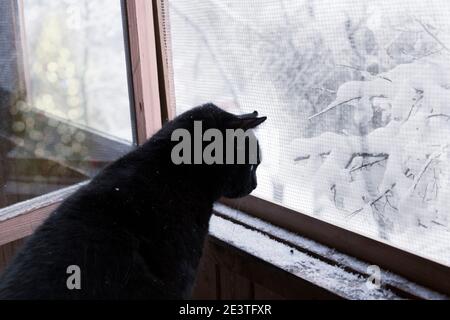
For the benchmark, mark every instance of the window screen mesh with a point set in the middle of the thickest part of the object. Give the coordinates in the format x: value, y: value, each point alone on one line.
x: 358, y: 99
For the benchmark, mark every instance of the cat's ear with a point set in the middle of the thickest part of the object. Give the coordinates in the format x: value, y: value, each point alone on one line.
x: 247, y: 121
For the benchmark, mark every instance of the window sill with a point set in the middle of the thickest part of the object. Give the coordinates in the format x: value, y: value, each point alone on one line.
x: 18, y: 221
x: 321, y: 266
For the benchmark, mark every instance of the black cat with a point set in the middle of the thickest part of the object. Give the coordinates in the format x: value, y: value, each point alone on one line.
x: 136, y: 231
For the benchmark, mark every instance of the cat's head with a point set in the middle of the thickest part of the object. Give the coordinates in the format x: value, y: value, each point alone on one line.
x: 229, y: 162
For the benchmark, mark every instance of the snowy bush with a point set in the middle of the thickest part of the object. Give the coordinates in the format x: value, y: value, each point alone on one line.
x: 399, y: 173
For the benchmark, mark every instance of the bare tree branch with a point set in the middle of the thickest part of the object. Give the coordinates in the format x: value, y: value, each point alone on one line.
x: 301, y: 158
x: 325, y: 89
x: 412, y: 107
x: 374, y: 202
x: 213, y: 55
x: 431, y: 34
x: 333, y: 188
x: 365, y: 73
x: 225, y: 10
x: 424, y: 169
x: 350, y: 67
x: 427, y: 54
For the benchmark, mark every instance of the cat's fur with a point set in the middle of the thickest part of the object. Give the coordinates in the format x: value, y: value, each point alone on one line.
x: 137, y: 229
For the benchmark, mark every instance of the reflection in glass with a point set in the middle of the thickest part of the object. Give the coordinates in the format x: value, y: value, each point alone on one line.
x: 64, y: 105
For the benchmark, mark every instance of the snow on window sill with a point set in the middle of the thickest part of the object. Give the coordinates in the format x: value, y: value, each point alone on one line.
x: 341, y: 274
x: 36, y: 203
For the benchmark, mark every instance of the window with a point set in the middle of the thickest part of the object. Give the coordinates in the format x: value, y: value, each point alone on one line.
x: 355, y: 147
x: 357, y: 98
x: 64, y: 100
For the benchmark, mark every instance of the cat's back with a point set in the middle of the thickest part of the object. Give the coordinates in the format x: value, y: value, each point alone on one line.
x: 87, y: 246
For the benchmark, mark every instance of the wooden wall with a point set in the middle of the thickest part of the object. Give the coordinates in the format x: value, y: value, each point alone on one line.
x: 7, y: 252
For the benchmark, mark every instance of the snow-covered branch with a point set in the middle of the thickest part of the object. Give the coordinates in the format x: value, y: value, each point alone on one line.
x: 333, y: 106
x: 369, y: 164
x: 439, y: 115
x: 432, y: 157
x: 386, y: 193
x: 384, y: 156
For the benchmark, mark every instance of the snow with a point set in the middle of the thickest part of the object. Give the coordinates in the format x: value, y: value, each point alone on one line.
x: 38, y: 202
x: 357, y: 99
x: 414, y: 216
x: 297, y: 263
x: 334, y: 278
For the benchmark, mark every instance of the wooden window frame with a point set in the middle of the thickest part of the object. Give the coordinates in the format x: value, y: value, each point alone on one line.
x: 143, y: 62
x: 153, y: 104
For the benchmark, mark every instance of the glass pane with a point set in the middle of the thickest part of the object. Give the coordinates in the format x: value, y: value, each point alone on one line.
x: 357, y: 94
x: 64, y: 104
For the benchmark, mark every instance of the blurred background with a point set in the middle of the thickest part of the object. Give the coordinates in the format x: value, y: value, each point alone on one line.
x: 64, y: 103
